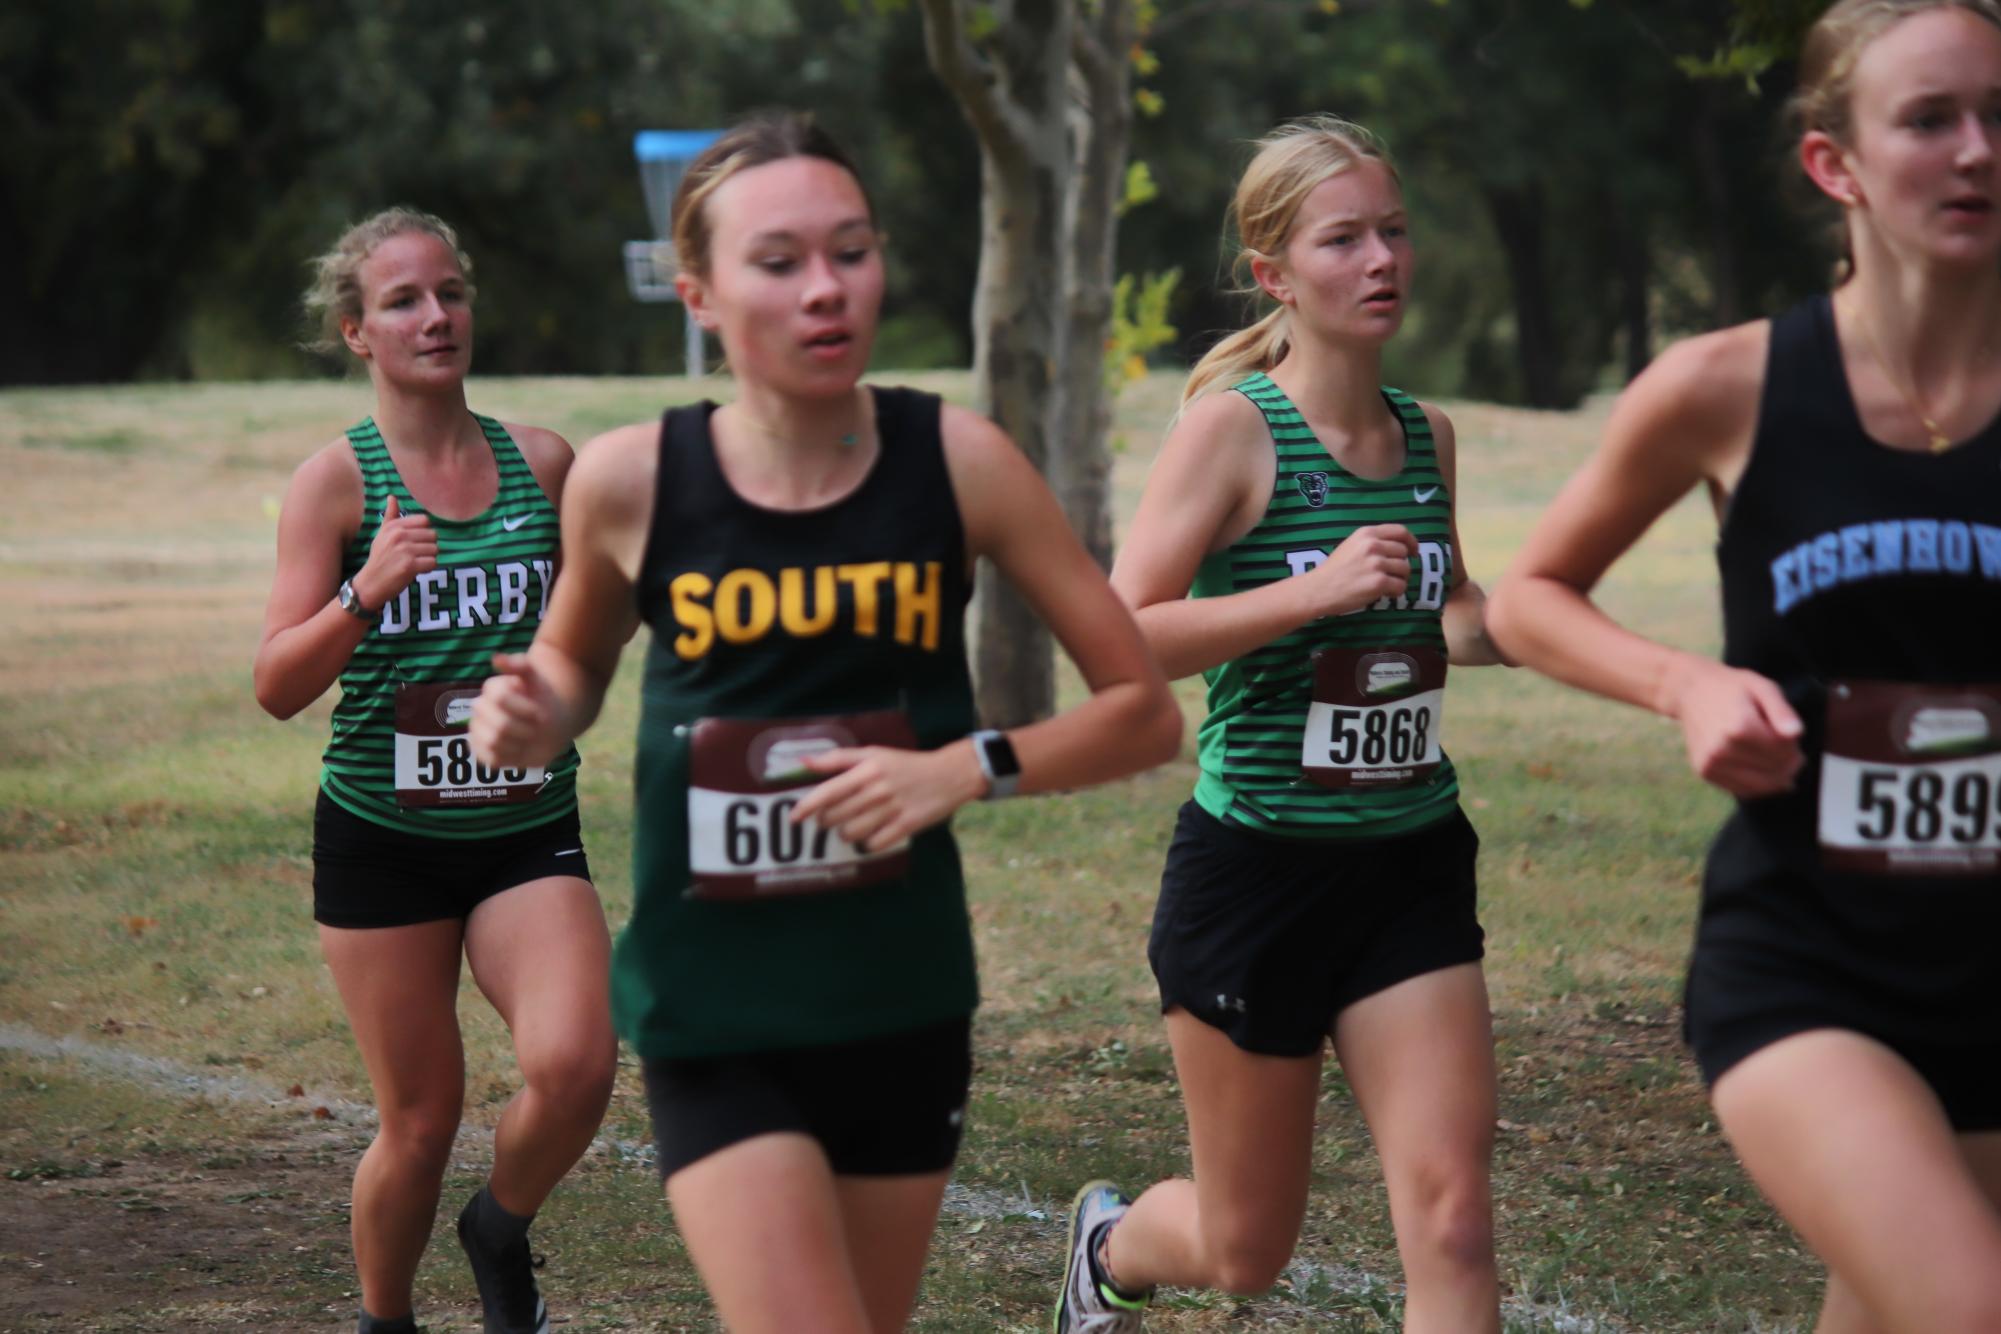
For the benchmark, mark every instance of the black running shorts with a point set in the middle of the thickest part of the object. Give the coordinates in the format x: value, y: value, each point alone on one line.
x: 367, y: 875
x: 884, y: 1106
x: 1269, y: 939
x: 1740, y: 999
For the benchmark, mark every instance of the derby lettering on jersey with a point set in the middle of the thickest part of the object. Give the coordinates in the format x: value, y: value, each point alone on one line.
x: 464, y: 596
x: 1433, y: 574
x: 745, y: 605
x: 1885, y: 547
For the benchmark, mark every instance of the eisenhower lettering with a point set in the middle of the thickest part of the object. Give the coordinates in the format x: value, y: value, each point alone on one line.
x: 463, y: 596
x: 1893, y: 546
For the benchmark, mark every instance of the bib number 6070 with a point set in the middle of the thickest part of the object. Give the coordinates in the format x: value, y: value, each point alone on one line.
x: 757, y: 834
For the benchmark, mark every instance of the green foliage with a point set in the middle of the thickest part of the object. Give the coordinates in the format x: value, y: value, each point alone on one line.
x: 166, y: 168
x: 1139, y: 324
x: 1140, y: 186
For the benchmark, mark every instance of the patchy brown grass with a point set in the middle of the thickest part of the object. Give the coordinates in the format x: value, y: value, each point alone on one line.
x: 153, y: 839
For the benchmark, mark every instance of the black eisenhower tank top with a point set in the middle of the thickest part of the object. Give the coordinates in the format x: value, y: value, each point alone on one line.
x: 1846, y: 561
x: 852, y: 608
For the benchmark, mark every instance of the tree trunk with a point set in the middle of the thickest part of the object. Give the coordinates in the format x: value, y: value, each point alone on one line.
x: 1080, y: 466
x: 1634, y: 266
x: 1015, y: 95
x: 1052, y: 172
x: 1518, y: 221
x: 1725, y: 254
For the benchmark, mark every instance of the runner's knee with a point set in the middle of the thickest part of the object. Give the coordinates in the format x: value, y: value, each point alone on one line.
x: 1246, y: 1261
x: 1450, y: 1215
x: 571, y: 1073
x: 420, y: 1136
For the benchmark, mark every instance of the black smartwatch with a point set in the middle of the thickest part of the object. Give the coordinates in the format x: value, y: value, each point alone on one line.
x: 996, y: 756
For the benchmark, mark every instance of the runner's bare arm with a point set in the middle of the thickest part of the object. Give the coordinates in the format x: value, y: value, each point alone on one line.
x: 549, y: 457
x: 307, y: 638
x: 1209, y: 487
x: 544, y: 699
x: 1130, y: 722
x: 1688, y: 419
x: 1464, y: 617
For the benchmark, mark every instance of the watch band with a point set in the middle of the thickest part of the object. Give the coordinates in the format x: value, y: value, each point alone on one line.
x: 995, y: 754
x: 350, y: 602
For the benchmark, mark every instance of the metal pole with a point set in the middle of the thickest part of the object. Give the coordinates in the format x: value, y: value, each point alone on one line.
x: 692, y: 341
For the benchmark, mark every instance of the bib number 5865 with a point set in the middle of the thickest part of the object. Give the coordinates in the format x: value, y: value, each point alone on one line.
x: 448, y: 762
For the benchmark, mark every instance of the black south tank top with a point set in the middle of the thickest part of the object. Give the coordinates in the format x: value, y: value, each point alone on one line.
x: 854, y: 607
x: 1845, y: 559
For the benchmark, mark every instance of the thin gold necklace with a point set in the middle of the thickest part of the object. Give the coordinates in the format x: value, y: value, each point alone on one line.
x: 847, y: 439
x: 1940, y: 441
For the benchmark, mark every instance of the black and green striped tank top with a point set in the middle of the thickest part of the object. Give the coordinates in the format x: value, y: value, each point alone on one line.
x: 1250, y: 745
x: 487, y: 595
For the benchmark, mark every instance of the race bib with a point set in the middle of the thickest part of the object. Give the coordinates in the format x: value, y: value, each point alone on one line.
x: 1911, y: 780
x: 745, y: 778
x: 1375, y: 717
x: 434, y: 759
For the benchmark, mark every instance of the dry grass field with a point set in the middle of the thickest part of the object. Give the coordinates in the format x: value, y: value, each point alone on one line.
x: 180, y: 1107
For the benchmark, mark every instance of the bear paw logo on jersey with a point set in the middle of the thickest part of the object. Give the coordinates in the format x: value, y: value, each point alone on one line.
x: 1313, y: 485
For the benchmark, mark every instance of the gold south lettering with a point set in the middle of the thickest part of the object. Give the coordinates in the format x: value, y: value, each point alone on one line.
x: 698, y: 628
x: 745, y: 605
x: 792, y: 613
x: 912, y: 605
x: 867, y: 581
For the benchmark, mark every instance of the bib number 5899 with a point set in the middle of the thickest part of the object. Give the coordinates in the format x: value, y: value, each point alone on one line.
x: 1920, y: 805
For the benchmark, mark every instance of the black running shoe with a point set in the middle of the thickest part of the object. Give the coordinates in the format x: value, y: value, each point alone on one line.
x: 506, y: 1279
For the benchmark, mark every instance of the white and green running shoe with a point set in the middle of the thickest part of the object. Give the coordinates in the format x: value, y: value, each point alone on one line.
x: 1088, y: 1304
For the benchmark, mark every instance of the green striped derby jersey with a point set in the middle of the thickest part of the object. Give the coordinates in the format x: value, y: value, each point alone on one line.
x: 487, y: 595
x: 1250, y: 744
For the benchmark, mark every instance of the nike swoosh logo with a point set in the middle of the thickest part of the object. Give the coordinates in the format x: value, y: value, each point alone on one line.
x: 1423, y: 493
x: 511, y: 524
x: 568, y: 852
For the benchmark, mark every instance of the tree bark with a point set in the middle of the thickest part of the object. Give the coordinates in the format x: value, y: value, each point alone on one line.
x: 1725, y: 253
x: 1049, y: 100
x: 1101, y: 119
x: 1518, y: 221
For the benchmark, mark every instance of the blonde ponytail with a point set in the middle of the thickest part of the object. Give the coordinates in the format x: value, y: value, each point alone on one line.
x: 1259, y: 348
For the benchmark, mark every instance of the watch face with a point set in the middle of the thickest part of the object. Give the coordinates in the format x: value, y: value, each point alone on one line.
x: 1001, y: 762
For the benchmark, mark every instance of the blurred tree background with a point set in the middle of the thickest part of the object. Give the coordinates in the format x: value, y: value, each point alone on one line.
x: 1587, y: 177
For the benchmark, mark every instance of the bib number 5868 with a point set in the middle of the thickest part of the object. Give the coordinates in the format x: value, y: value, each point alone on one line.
x: 1379, y: 736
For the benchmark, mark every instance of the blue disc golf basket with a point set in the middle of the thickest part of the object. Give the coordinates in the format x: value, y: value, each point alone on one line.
x: 650, y: 265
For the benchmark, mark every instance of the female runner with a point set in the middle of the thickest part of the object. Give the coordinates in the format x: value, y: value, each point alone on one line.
x: 797, y: 975
x: 1842, y: 999
x: 410, y: 550
x: 1297, y: 546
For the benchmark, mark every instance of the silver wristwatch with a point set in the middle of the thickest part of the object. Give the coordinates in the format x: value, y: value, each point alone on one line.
x: 350, y: 602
